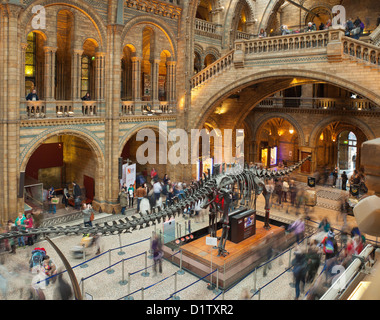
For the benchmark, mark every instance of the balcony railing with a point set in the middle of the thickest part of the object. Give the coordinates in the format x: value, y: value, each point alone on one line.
x: 129, y: 108
x: 291, y: 42
x: 319, y: 103
x: 58, y: 109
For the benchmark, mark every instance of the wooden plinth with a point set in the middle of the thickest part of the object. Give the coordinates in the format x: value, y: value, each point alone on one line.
x: 242, y: 258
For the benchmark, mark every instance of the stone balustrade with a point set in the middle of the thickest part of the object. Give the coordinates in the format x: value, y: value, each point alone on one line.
x: 291, y: 42
x: 56, y: 108
x: 213, y: 69
x: 205, y: 26
x: 361, y: 51
x: 319, y: 103
x: 127, y: 108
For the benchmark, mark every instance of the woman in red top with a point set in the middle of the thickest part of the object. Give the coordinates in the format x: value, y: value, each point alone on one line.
x: 29, y: 225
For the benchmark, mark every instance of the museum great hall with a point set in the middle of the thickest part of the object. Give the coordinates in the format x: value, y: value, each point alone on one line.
x: 190, y: 64
x: 80, y: 79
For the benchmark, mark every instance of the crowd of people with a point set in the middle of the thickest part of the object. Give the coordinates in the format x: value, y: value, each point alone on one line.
x: 352, y: 28
x: 325, y: 249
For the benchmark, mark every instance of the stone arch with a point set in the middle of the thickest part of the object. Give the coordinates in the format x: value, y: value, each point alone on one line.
x: 361, y: 125
x: 230, y: 18
x: 271, y: 7
x: 130, y: 133
x: 80, y: 5
x: 157, y: 22
x: 260, y: 77
x: 263, y: 119
x: 95, y: 144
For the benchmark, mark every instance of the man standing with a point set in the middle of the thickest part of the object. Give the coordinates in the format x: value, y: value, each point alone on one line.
x: 77, y: 193
x: 157, y: 188
x: 140, y: 194
x: 32, y: 96
x: 123, y: 196
x: 344, y: 180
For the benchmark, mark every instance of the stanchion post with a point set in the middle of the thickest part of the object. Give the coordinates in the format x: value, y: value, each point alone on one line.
x: 217, y: 290
x: 110, y: 271
x: 254, y: 281
x: 180, y: 271
x: 129, y: 288
x: 146, y: 273
x: 290, y: 258
x: 84, y: 265
x: 142, y: 293
x: 123, y: 281
x: 82, y: 280
x: 121, y: 252
x: 175, y: 297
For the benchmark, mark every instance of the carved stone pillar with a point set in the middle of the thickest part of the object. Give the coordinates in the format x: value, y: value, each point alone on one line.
x: 76, y: 68
x: 24, y: 46
x: 99, y: 75
x: 171, y: 82
x: 155, y: 72
x: 136, y: 78
x: 50, y: 73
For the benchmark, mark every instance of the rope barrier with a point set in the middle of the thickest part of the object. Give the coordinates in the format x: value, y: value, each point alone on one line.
x: 190, y: 284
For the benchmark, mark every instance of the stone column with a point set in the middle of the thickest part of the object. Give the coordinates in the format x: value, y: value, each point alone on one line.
x: 99, y: 75
x: 154, y: 82
x: 100, y: 82
x: 136, y: 78
x: 24, y: 46
x: 171, y: 83
x: 49, y: 73
x: 76, y: 69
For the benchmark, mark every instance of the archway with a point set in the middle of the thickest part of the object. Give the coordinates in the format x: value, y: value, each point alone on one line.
x: 58, y: 160
x: 277, y: 143
x: 148, y: 152
x: 338, y: 145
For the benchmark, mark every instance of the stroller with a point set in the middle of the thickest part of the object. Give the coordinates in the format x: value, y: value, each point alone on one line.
x: 38, y: 255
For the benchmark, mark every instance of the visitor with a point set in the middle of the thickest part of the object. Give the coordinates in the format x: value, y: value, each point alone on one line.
x: 140, y: 194
x: 349, y: 27
x: 262, y: 33
x: 299, y: 271
x: 32, y: 96
x: 313, y: 259
x: 86, y: 97
x: 50, y: 269
x: 344, y: 208
x: 310, y: 27
x: 131, y: 194
x: 87, y: 212
x: 153, y: 175
x: 285, y: 189
x: 11, y: 242
x: 169, y: 196
x: 328, y: 24
x: 278, y: 190
x: 298, y: 229
x: 329, y: 245
x: 29, y: 226
x: 284, y: 30
x: 63, y: 289
x: 50, y: 197
x: 20, y: 226
x: 335, y: 177
x: 66, y: 197
x: 344, y: 180
x: 77, y: 196
x: 157, y: 253
x: 157, y: 188
x: 123, y: 199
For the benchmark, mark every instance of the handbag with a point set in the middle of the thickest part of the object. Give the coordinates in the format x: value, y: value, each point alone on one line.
x: 54, y: 200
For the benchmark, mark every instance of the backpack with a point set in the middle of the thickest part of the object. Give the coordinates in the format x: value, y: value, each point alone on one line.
x: 329, y: 246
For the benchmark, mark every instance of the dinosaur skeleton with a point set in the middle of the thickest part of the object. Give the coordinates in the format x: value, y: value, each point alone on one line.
x: 250, y: 181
